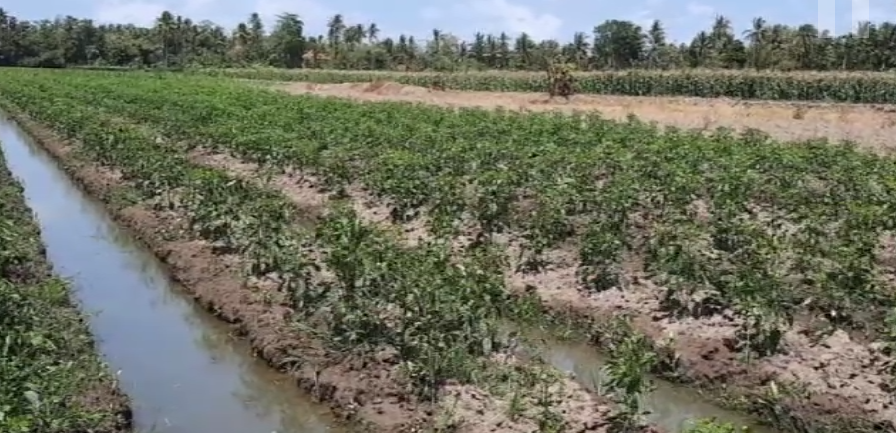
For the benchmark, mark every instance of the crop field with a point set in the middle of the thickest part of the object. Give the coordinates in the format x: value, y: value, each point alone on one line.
x: 871, y: 127
x: 406, y: 234
x: 385, y: 331
x: 52, y: 379
x: 865, y: 88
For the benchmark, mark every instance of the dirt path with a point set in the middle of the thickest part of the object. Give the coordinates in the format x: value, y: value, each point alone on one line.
x: 872, y: 126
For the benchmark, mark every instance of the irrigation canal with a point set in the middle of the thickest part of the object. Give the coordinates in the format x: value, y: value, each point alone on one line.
x: 180, y: 366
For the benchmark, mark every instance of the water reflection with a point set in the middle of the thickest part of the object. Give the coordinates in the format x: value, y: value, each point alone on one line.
x: 672, y: 408
x: 180, y: 366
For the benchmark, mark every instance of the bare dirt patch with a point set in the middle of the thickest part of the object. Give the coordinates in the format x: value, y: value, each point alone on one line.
x: 871, y: 126
x: 844, y: 378
x: 107, y: 397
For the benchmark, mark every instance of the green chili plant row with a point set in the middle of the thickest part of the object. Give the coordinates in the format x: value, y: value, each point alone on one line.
x: 867, y: 88
x: 47, y: 356
x: 370, y: 267
x: 377, y: 298
x: 768, y: 229
x: 439, y: 313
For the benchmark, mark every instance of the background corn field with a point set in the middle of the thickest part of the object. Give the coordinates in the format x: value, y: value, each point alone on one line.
x: 867, y: 88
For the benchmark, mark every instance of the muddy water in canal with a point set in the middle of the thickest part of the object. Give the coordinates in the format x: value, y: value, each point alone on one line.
x: 181, y: 368
x: 672, y: 408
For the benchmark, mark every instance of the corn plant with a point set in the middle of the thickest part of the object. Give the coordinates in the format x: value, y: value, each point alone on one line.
x: 854, y: 87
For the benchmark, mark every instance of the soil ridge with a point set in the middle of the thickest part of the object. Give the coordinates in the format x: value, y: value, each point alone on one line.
x: 846, y: 391
x: 367, y: 392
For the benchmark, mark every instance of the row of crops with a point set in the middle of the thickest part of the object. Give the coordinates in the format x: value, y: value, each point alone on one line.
x: 767, y: 230
x: 442, y: 315
x: 46, y: 353
x: 871, y: 88
x: 786, y: 228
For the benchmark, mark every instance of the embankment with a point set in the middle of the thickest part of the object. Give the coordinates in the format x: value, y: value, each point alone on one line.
x: 870, y: 126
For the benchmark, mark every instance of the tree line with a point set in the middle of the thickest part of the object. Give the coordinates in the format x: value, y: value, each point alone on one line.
x: 177, y: 41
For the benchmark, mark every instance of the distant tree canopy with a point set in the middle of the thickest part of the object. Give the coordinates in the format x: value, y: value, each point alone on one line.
x: 176, y: 41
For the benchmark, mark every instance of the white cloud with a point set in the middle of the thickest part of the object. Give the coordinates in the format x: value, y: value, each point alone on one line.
x: 861, y: 12
x: 643, y: 18
x: 502, y: 15
x: 309, y: 10
x: 142, y: 13
x: 431, y: 13
x: 700, y: 9
x: 198, y: 5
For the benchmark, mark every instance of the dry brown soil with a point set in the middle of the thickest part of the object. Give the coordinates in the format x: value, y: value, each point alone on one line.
x: 369, y: 392
x: 873, y: 127
x: 473, y: 409
x: 846, y: 379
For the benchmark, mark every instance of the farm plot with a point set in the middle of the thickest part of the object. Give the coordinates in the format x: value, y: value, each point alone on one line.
x: 52, y: 379
x: 764, y: 267
x: 395, y: 337
x: 871, y: 127
x: 850, y: 87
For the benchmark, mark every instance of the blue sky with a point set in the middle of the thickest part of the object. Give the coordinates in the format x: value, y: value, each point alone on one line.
x: 539, y: 18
